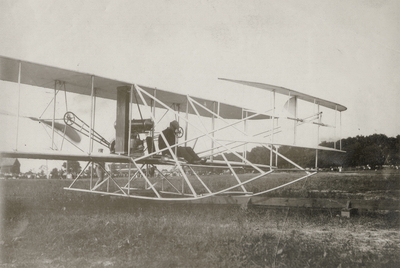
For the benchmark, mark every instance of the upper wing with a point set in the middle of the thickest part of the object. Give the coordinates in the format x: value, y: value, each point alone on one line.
x: 291, y: 93
x: 81, y: 83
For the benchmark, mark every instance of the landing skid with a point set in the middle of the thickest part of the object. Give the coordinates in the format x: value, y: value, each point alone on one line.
x: 182, y: 187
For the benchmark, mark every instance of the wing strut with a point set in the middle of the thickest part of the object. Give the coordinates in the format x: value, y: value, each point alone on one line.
x: 19, y: 101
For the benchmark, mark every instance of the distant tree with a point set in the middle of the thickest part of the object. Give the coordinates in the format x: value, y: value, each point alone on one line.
x: 373, y: 150
x: 391, y: 151
x: 73, y: 166
x: 230, y: 157
x: 396, y: 151
x: 373, y: 155
x: 43, y: 169
x: 42, y: 174
x: 113, y: 168
x: 54, y: 173
x: 259, y: 155
x: 88, y: 170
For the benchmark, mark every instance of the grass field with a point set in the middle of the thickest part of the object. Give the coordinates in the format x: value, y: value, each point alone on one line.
x: 45, y: 226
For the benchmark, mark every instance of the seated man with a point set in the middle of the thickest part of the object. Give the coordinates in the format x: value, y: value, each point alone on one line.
x: 186, y: 152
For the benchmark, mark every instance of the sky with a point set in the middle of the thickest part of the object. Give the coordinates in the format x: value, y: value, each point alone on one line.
x: 343, y: 51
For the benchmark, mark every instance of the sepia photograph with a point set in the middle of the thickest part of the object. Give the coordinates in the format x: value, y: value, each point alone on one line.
x: 204, y: 133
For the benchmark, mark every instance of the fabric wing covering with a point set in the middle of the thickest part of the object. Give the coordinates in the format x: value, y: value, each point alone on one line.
x: 291, y: 93
x: 81, y: 83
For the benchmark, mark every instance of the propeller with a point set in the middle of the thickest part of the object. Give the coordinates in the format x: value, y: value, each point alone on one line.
x: 71, y: 133
x: 290, y: 106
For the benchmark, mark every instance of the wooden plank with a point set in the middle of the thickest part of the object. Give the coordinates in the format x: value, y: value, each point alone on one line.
x: 298, y: 202
x: 372, y: 205
x: 376, y: 204
x: 224, y: 200
x: 283, y: 202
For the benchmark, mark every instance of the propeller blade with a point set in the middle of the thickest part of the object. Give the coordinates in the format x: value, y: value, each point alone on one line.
x: 69, y: 131
x: 290, y: 106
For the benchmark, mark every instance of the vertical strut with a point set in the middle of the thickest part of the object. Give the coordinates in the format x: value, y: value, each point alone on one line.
x: 340, y: 131
x: 54, y: 114
x: 130, y: 121
x: 245, y: 131
x: 129, y: 140
x: 91, y: 130
x: 91, y: 116
x: 316, y: 151
x: 19, y: 101
x: 334, y: 143
x: 295, y: 121
x: 94, y: 116
x: 66, y: 110
x: 272, y: 128
x: 213, y: 127
x: 187, y: 119
x: 154, y: 115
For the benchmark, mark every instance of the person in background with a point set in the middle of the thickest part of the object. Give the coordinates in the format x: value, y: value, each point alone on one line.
x: 100, y: 167
x: 186, y: 152
x: 100, y: 172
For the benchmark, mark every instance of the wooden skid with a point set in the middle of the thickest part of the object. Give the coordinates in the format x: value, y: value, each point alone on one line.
x: 325, y: 203
x: 312, y: 203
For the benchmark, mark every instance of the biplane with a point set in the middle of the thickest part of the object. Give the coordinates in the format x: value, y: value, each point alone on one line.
x: 215, y: 130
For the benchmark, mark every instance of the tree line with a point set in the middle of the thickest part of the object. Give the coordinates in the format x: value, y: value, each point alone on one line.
x: 374, y: 151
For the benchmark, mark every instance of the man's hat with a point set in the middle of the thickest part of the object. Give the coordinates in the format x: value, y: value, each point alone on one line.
x: 174, y: 124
